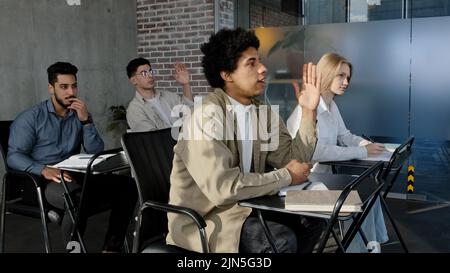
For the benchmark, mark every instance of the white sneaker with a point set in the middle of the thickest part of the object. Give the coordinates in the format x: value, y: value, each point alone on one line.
x: 373, y: 247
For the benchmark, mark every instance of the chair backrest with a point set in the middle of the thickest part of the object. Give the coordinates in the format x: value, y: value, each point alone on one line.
x: 4, y: 136
x: 395, y: 164
x: 398, y: 156
x: 368, y: 192
x: 13, y: 190
x: 150, y: 155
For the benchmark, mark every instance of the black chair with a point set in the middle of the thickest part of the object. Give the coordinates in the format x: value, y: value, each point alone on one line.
x: 150, y: 155
x: 389, y: 175
x: 368, y: 192
x: 369, y: 195
x: 394, y: 166
x: 10, y: 188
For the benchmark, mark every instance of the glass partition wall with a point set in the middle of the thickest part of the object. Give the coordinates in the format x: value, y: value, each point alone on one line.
x: 401, y: 71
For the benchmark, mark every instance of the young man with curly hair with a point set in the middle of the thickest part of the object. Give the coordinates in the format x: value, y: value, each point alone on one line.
x: 239, y: 138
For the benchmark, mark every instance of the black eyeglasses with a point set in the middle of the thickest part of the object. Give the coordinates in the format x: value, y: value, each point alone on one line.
x: 148, y: 73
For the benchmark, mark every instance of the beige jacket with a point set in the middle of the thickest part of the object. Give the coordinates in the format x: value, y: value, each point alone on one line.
x: 207, y: 177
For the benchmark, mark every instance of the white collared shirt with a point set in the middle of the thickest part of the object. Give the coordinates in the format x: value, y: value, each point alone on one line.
x: 243, y: 114
x: 334, y: 140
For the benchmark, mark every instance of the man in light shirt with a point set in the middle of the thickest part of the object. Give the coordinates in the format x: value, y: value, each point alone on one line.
x: 151, y: 109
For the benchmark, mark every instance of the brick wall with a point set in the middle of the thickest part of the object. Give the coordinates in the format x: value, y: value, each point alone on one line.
x: 173, y: 30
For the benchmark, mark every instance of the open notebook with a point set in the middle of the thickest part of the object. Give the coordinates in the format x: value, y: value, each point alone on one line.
x: 322, y: 201
x: 386, y: 155
x: 102, y: 163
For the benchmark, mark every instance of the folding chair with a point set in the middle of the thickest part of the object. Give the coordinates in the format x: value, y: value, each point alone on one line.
x: 368, y: 192
x: 10, y: 185
x: 150, y: 155
x: 395, y: 163
x: 392, y: 169
x: 369, y: 198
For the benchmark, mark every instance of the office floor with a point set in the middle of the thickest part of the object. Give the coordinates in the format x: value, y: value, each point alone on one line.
x: 423, y: 224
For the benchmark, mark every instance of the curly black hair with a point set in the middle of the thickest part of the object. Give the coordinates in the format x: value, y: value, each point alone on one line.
x: 222, y: 52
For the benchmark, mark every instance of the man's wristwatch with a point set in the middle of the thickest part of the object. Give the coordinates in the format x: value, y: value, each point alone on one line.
x: 88, y: 121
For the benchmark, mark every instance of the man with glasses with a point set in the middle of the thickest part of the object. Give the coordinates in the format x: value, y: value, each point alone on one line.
x: 151, y: 109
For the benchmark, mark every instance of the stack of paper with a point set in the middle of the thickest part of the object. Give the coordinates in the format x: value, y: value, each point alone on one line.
x: 80, y: 161
x: 313, y: 186
x: 391, y: 146
x: 323, y: 201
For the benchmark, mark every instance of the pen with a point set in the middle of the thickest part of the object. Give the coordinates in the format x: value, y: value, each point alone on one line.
x: 307, y: 184
x: 89, y: 157
x: 367, y: 138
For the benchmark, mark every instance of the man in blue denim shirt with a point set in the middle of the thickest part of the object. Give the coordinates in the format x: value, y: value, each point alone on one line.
x: 54, y: 130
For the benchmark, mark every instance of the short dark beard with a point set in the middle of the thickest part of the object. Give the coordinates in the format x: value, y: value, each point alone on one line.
x: 61, y: 102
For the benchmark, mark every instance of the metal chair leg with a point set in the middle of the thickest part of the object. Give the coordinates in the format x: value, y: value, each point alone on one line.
x: 338, y: 242
x: 397, y: 232
x: 136, y: 234
x: 126, y: 248
x: 2, y: 213
x: 363, y: 236
x: 43, y: 221
x: 267, y: 232
x: 341, y: 231
x: 70, y: 207
x: 325, y: 235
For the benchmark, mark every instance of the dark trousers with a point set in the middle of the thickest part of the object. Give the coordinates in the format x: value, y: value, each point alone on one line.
x: 115, y: 192
x: 292, y: 233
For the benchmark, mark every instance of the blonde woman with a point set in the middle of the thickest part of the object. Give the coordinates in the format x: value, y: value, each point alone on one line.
x: 336, y: 142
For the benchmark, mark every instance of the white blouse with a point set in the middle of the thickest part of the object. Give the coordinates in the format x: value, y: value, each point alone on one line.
x: 334, y: 140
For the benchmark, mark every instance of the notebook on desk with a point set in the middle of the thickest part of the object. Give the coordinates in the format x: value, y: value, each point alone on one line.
x: 308, y: 185
x: 322, y: 201
x: 391, y: 148
x: 103, y: 163
x: 385, y: 156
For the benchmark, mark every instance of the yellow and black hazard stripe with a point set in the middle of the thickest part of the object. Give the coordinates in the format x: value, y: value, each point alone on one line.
x: 410, y: 188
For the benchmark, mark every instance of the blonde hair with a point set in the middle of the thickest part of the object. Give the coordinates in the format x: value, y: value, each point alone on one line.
x: 328, y: 68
